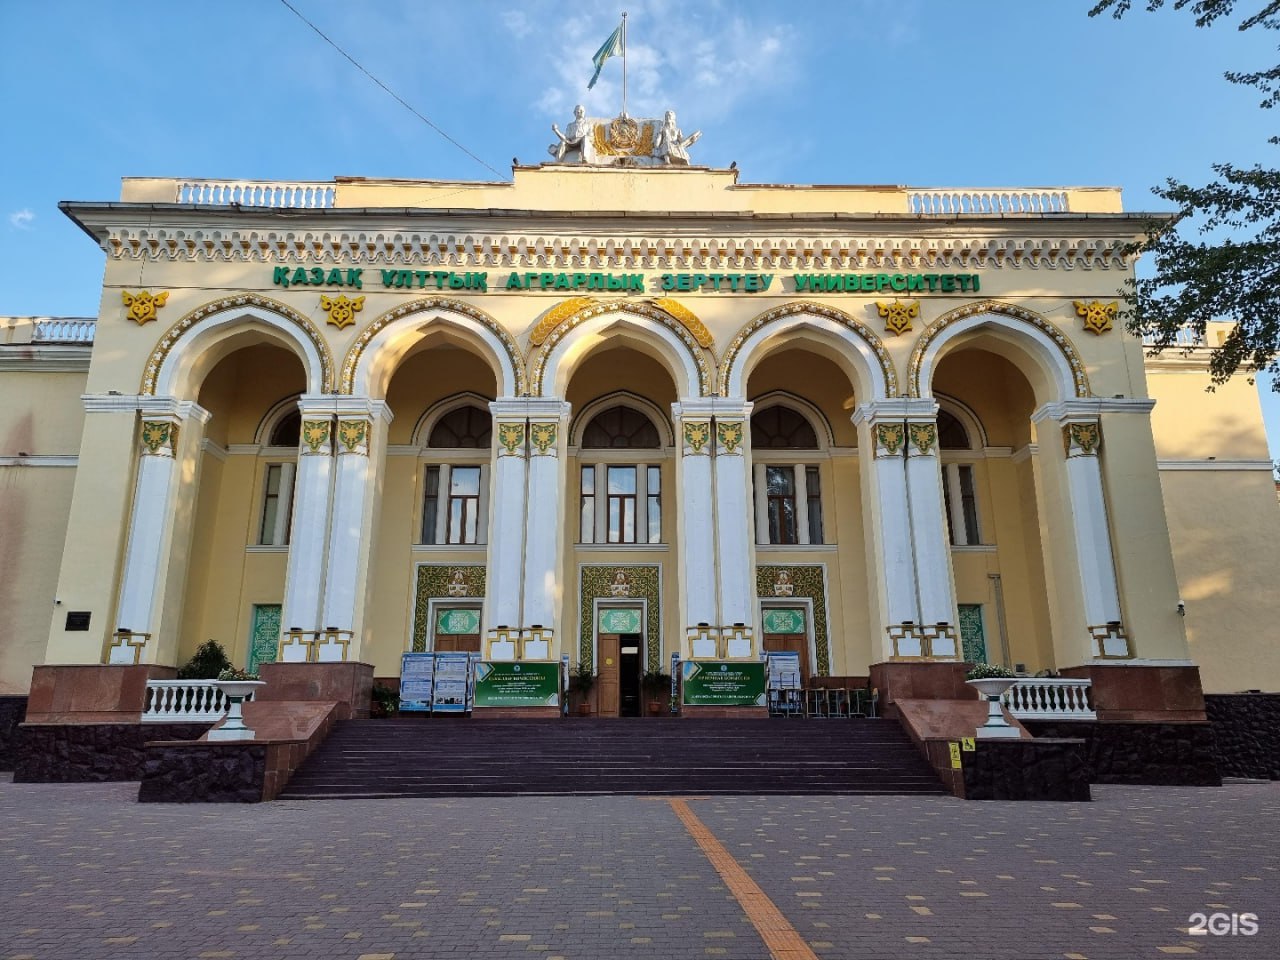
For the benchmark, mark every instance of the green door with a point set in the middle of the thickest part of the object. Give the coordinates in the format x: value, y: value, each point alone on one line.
x: 264, y: 635
x: 973, y: 638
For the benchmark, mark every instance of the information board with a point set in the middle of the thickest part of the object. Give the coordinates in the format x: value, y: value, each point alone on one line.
x: 451, y: 683
x: 416, y: 673
x: 517, y: 684
x: 784, y: 670
x: 711, y: 683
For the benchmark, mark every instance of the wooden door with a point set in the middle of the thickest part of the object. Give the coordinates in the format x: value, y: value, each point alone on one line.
x: 457, y: 643
x: 607, y: 654
x: 794, y: 643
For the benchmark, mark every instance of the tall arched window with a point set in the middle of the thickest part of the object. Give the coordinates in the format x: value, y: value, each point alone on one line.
x: 281, y: 431
x: 788, y: 488
x: 621, y: 502
x: 456, y: 485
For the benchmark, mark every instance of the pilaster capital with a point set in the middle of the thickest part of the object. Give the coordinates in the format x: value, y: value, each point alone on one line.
x: 704, y: 408
x: 1091, y: 408
x: 530, y: 408
x: 151, y: 408
x: 314, y: 406
x: 896, y: 409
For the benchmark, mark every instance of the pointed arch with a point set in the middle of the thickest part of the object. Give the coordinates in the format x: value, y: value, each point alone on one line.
x: 1048, y: 346
x: 382, y: 343
x: 204, y: 327
x: 874, y: 375
x: 653, y: 328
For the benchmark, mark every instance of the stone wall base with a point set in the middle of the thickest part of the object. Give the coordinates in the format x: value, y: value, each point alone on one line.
x: 1246, y: 729
x: 1123, y: 692
x: 1040, y: 769
x: 919, y: 680
x: 90, y: 752
x: 13, y: 710
x: 1164, y: 754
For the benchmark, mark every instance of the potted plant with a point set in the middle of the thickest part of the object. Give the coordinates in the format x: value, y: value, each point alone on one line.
x: 385, y: 701
x: 580, y: 683
x: 991, y: 681
x: 657, y: 688
x: 237, y: 686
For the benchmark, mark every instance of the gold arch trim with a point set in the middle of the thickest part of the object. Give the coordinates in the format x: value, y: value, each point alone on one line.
x: 887, y: 371
x: 690, y: 320
x: 151, y: 372
x: 706, y: 371
x: 425, y: 305
x: 1079, y: 376
x: 554, y: 317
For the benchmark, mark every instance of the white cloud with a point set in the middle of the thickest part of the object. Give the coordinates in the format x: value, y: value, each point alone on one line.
x: 517, y: 22
x: 21, y: 219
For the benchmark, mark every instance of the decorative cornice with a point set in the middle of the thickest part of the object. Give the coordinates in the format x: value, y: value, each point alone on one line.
x: 45, y: 358
x: 1260, y: 465
x: 320, y: 244
x: 1092, y: 408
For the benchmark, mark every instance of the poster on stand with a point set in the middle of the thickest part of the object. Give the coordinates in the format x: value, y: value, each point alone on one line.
x: 452, y: 683
x: 717, y: 683
x: 517, y: 684
x: 416, y: 673
x: 784, y: 670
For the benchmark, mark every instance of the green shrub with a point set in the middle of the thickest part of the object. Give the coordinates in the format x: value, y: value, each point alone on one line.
x: 206, y: 663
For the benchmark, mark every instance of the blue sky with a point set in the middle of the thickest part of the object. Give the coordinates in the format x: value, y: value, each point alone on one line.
x: 920, y: 92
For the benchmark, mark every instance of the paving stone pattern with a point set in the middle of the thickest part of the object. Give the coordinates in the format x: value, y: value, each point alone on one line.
x: 89, y: 873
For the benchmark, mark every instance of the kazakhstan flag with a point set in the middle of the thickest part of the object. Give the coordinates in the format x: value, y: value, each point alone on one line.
x: 610, y: 48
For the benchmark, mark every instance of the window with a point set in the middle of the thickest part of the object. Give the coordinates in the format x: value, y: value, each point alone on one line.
x: 454, y: 494
x: 620, y: 502
x: 788, y: 495
x: 451, y: 508
x: 277, y: 505
x: 962, y: 504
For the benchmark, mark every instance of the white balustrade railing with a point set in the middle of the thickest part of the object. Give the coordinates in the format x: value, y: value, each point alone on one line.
x: 64, y: 331
x: 957, y: 201
x: 172, y: 701
x: 1185, y: 337
x: 256, y: 193
x: 1050, y: 698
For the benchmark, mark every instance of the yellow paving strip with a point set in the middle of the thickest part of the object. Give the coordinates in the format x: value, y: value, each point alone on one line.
x: 775, y: 930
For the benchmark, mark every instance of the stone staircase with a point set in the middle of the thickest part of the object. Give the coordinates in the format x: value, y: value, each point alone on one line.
x: 452, y: 757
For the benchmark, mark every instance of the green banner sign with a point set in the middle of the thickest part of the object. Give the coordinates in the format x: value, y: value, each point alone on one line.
x: 626, y: 620
x: 458, y: 621
x: 715, y: 683
x: 517, y: 684
x: 779, y: 620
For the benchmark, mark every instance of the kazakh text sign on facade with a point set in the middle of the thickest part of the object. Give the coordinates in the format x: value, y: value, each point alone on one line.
x: 711, y: 683
x: 478, y: 281
x: 517, y: 684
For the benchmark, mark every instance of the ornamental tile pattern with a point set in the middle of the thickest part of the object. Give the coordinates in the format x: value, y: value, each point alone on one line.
x: 808, y: 580
x: 596, y: 581
x: 434, y: 582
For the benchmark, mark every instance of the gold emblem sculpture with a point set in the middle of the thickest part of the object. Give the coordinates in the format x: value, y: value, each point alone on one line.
x: 730, y: 436
x: 898, y: 315
x: 1099, y: 317
x: 924, y: 436
x: 510, y: 436
x: 543, y: 436
x: 890, y: 436
x: 143, y: 305
x: 696, y: 434
x: 342, y: 312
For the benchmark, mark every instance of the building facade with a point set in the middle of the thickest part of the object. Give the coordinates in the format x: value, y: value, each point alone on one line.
x: 611, y: 409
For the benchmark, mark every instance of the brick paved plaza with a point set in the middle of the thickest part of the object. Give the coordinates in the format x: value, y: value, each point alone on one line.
x: 90, y: 874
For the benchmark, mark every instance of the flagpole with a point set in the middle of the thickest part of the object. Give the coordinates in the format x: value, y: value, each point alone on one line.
x: 624, y: 63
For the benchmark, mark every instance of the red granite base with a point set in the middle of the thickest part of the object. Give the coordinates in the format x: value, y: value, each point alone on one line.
x: 919, y: 680
x: 350, y: 685
x: 1171, y: 694
x: 91, y: 693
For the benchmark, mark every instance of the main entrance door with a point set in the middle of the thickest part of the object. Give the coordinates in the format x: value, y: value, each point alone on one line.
x: 457, y: 630
x: 618, y: 674
x: 785, y: 629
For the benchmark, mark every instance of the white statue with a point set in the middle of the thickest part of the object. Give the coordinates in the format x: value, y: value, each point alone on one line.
x: 577, y: 138
x: 671, y: 145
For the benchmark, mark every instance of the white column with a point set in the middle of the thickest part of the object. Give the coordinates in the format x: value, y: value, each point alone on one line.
x: 544, y: 523
x: 147, y: 560
x: 503, y: 586
x: 1082, y: 439
x: 350, y: 526
x: 695, y: 524
x: 930, y: 548
x: 308, y: 540
x: 882, y: 449
x: 735, y: 546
